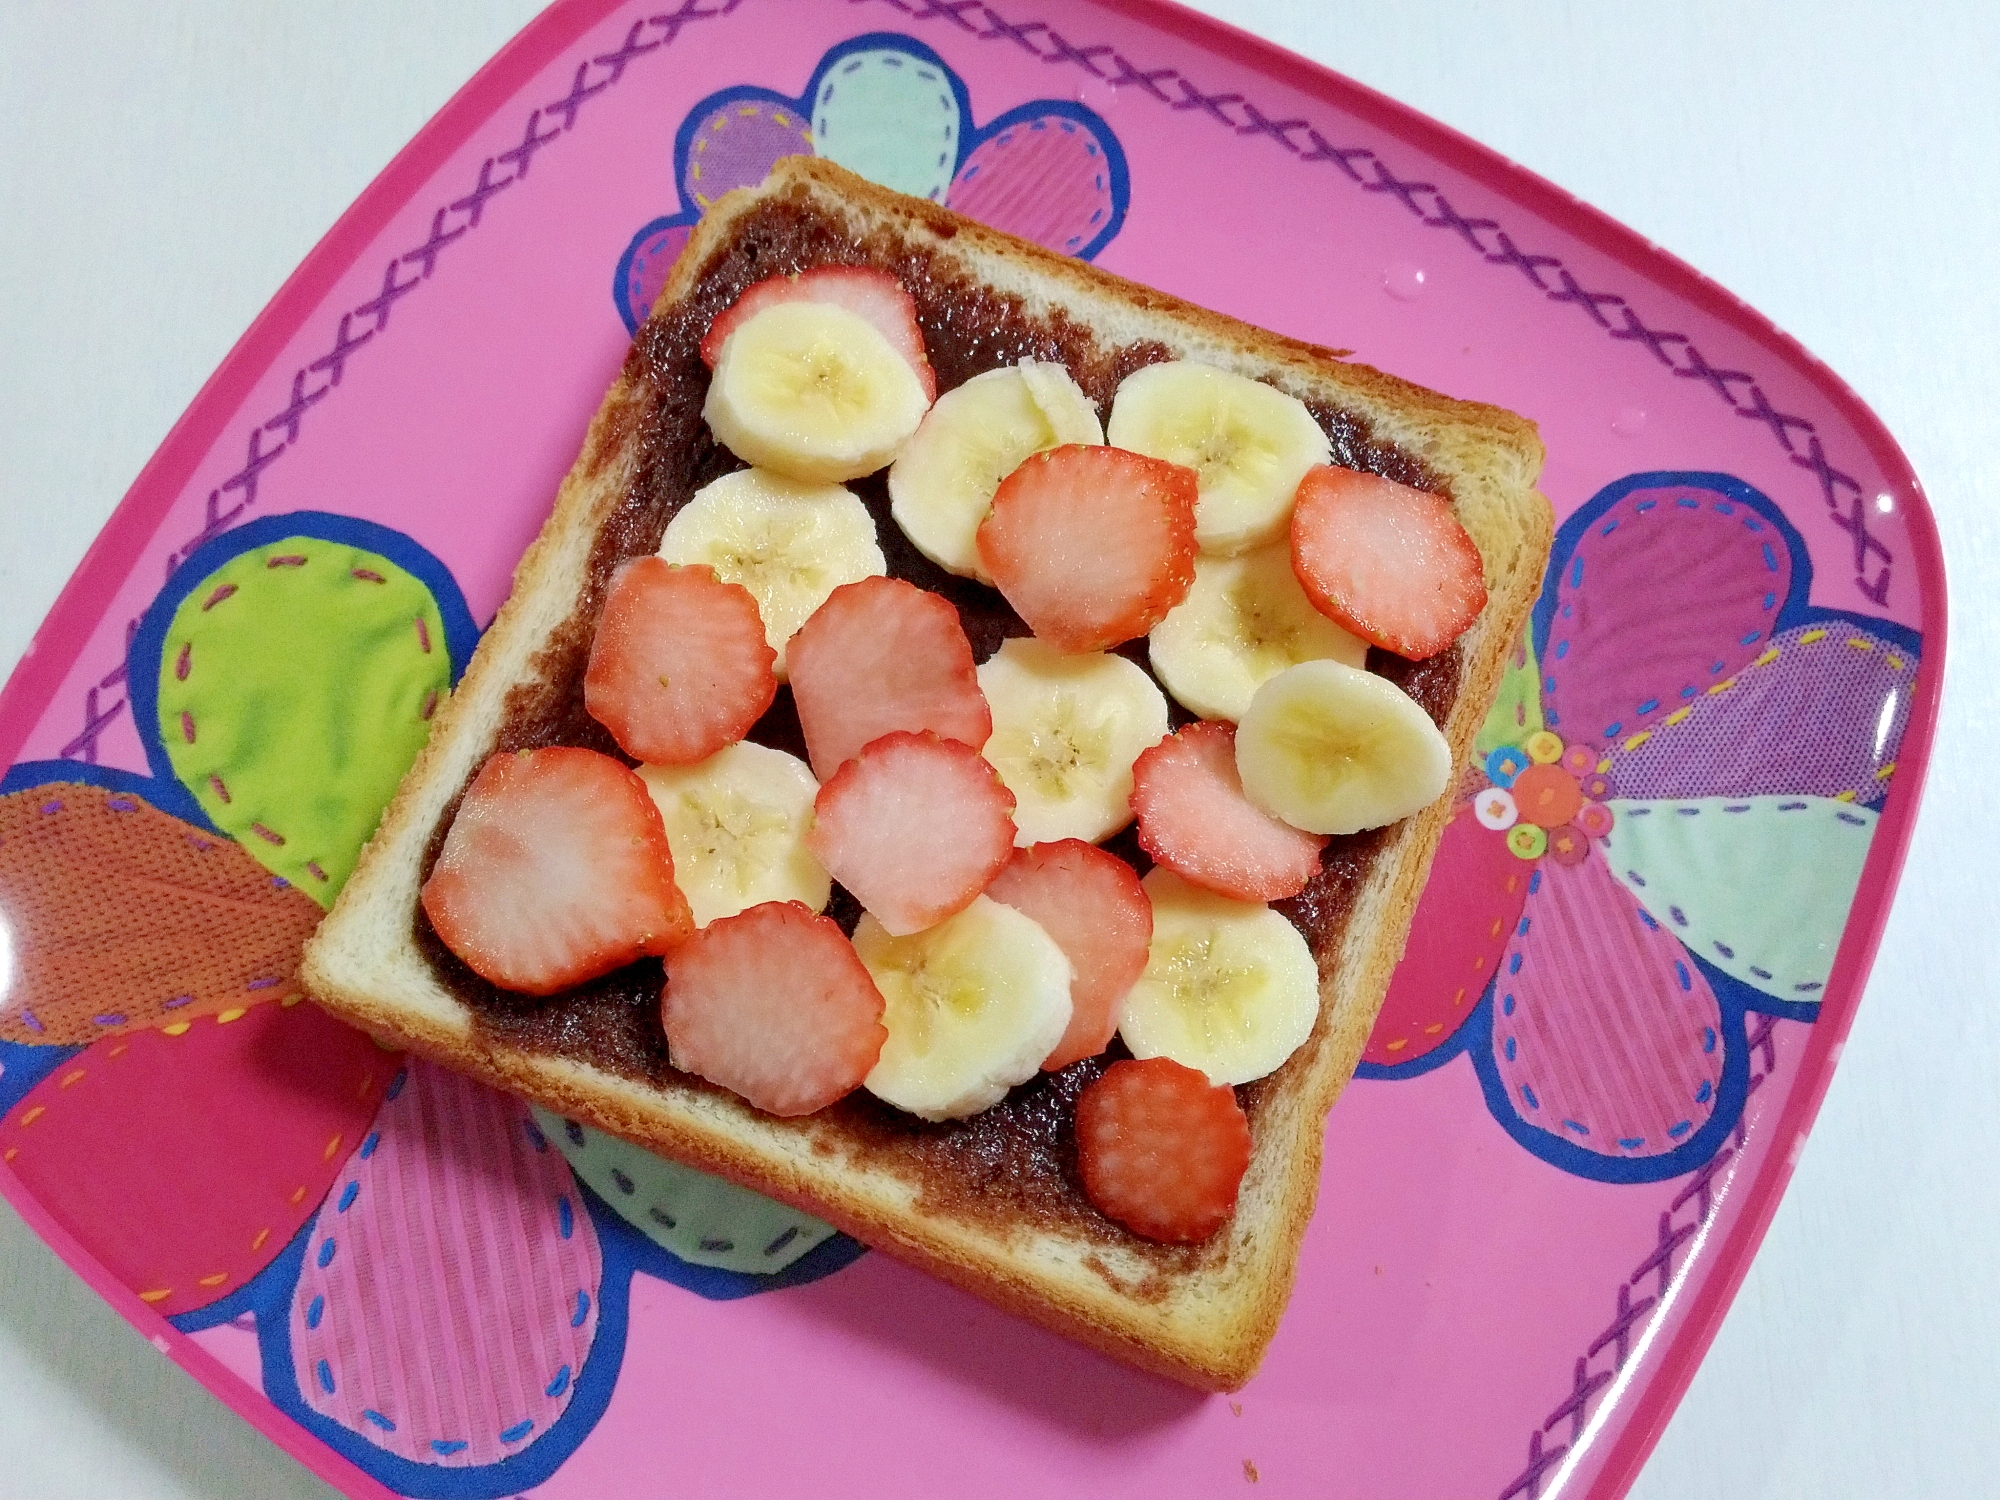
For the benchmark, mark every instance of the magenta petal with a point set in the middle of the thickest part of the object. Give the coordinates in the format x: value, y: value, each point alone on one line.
x: 646, y: 267
x: 449, y: 1291
x: 1668, y: 592
x: 1819, y: 712
x: 1046, y: 178
x: 1604, y: 1031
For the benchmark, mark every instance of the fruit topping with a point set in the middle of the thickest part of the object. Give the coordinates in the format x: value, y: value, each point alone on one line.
x: 1092, y: 904
x: 973, y: 1006
x: 878, y: 656
x: 679, y: 667
x: 1388, y: 562
x: 737, y: 825
x: 1229, y: 988
x: 1195, y: 820
x: 1331, y: 749
x: 1092, y: 546
x: 915, y: 827
x: 1249, y: 443
x: 1161, y: 1149
x: 773, y: 1004
x: 1066, y: 730
x: 873, y: 295
x: 555, y: 870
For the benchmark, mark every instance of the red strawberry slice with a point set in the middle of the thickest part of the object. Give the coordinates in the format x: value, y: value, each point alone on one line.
x: 1386, y: 561
x: 680, y: 666
x: 1092, y: 546
x: 878, y: 656
x: 774, y: 1005
x: 915, y: 827
x: 556, y: 870
x: 874, y: 295
x: 1195, y: 820
x: 1161, y: 1149
x: 1092, y: 904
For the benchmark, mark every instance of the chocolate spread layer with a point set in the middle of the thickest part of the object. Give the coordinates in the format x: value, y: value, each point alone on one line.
x: 1013, y: 1164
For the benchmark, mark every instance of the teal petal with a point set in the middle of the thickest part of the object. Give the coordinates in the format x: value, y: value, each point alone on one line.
x: 702, y: 1219
x: 891, y: 117
x: 1759, y: 887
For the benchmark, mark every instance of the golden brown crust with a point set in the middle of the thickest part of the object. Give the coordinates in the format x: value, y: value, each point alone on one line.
x: 1207, y: 1326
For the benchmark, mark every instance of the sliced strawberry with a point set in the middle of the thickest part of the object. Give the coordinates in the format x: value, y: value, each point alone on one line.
x: 1092, y: 904
x: 1161, y: 1149
x: 878, y: 656
x: 1386, y: 561
x: 915, y: 827
x: 1195, y: 820
x: 773, y: 1004
x: 556, y: 870
x: 874, y: 295
x: 1092, y: 546
x: 680, y: 666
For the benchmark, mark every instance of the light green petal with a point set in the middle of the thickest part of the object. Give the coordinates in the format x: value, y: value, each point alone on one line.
x: 1517, y: 711
x: 892, y: 118
x: 1759, y: 887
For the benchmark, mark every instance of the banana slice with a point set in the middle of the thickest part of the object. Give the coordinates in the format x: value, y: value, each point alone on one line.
x: 790, y: 543
x: 972, y: 1005
x: 1230, y: 987
x: 736, y: 824
x: 1245, y: 620
x: 1250, y: 443
x: 1066, y: 730
x: 942, y: 484
x: 813, y: 391
x: 1332, y: 749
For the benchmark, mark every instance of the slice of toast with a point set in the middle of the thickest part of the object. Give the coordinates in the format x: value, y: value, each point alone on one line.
x: 990, y: 1203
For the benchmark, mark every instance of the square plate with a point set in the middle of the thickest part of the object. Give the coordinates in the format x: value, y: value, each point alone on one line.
x: 1594, y: 1070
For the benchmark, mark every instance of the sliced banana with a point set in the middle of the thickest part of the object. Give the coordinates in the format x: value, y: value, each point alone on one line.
x: 1332, y: 749
x: 972, y: 1007
x: 941, y: 485
x: 1066, y: 730
x: 1250, y: 443
x: 1245, y: 620
x: 789, y: 542
x: 736, y: 824
x: 813, y: 391
x: 1230, y: 987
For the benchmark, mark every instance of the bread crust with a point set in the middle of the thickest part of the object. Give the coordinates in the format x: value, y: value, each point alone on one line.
x: 1206, y: 1326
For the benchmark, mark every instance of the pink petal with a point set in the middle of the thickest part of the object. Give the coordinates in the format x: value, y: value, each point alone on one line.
x: 1046, y: 178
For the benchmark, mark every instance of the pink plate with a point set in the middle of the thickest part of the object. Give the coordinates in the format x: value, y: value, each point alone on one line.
x: 1625, y: 995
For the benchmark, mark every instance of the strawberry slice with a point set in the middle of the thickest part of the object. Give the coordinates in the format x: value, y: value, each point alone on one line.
x: 1092, y: 904
x: 680, y: 666
x: 874, y: 295
x: 1092, y: 546
x: 878, y: 656
x: 1195, y: 820
x: 773, y: 1004
x: 556, y: 870
x: 915, y: 827
x: 1161, y: 1149
x: 1390, y: 563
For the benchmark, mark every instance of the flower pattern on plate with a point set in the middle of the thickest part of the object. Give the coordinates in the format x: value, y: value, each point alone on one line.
x: 1686, y: 795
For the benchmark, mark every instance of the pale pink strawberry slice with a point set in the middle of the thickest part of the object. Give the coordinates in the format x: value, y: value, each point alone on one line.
x: 915, y: 827
x: 680, y: 666
x: 874, y: 295
x: 1195, y: 820
x: 1161, y: 1149
x: 1092, y: 904
x: 878, y: 656
x: 556, y: 869
x: 773, y: 1004
x: 1388, y: 562
x: 1091, y: 545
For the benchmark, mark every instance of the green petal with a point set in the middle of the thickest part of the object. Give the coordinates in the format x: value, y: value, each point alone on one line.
x: 1517, y: 711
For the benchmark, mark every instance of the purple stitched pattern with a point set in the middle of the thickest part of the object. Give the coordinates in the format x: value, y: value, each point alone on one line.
x: 1641, y: 1296
x: 1546, y: 273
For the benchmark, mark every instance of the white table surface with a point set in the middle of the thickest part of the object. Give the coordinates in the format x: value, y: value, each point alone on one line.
x: 164, y: 164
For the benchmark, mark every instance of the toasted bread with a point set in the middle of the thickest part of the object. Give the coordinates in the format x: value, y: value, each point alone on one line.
x: 992, y: 1203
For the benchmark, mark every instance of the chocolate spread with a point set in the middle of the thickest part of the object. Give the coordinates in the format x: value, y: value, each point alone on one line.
x: 1016, y: 1162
